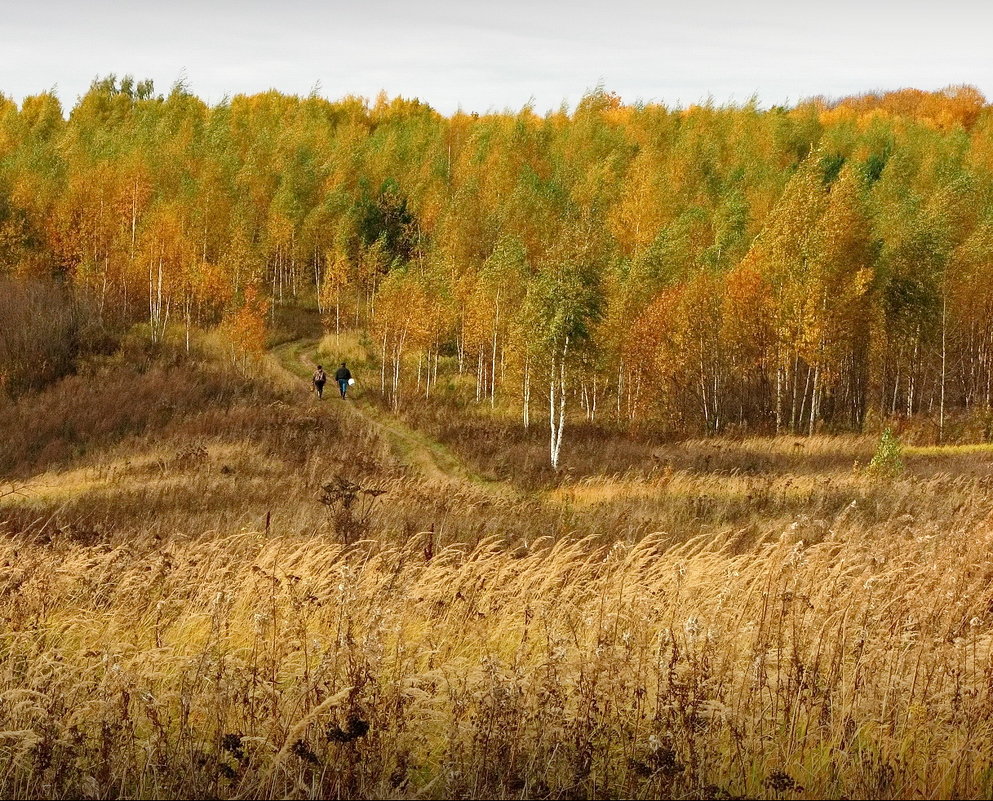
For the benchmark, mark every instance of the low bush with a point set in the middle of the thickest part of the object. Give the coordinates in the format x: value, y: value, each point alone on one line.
x: 44, y: 328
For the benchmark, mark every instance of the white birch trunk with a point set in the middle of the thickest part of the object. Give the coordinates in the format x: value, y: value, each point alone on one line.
x: 493, y: 359
x: 526, y: 411
x: 556, y: 392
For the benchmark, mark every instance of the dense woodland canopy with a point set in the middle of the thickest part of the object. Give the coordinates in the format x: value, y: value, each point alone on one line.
x: 703, y: 269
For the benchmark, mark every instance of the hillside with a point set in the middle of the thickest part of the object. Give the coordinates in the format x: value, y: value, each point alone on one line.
x: 666, y: 472
x: 199, y: 599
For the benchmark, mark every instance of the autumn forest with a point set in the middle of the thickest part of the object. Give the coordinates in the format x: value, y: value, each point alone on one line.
x: 703, y: 269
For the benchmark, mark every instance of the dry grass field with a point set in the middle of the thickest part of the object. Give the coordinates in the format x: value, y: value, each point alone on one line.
x: 213, y: 586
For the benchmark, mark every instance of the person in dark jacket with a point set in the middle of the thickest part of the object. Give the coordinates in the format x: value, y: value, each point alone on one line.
x: 343, y: 376
x: 320, y: 378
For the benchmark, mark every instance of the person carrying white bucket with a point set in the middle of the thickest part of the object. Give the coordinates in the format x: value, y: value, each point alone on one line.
x: 344, y: 377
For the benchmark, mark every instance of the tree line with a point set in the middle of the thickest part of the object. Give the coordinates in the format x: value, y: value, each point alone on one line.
x: 702, y: 269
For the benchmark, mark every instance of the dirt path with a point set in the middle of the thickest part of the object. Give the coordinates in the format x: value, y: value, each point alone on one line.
x: 423, y: 455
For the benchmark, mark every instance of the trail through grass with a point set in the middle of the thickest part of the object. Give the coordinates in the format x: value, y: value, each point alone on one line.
x: 419, y: 452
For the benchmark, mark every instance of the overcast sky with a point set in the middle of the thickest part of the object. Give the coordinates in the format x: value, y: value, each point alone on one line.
x: 495, y: 55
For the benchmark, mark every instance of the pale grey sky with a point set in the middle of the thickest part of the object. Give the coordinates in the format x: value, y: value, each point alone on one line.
x: 493, y: 55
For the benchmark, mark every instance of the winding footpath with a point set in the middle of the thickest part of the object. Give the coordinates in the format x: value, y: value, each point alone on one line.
x: 422, y: 455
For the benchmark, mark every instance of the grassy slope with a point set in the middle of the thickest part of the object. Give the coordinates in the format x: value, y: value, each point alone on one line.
x: 789, y: 620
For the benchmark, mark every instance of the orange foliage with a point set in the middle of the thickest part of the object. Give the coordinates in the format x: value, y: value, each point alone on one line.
x: 246, y: 325
x: 945, y: 109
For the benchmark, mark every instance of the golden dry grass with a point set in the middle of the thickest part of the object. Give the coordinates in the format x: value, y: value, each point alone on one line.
x: 735, y: 618
x: 243, y: 666
x: 347, y: 346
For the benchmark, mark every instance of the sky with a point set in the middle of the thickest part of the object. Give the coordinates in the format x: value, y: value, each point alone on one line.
x: 481, y: 56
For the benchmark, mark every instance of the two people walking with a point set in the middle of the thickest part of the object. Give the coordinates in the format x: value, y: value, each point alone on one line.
x: 342, y: 376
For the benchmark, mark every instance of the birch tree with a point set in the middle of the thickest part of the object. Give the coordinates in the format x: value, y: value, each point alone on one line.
x: 563, y: 300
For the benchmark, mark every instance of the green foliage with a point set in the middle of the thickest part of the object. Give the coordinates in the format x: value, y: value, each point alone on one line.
x: 564, y: 301
x: 387, y: 219
x: 874, y: 166
x: 831, y: 165
x: 887, y: 462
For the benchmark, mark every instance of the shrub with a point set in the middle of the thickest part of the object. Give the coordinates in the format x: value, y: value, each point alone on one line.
x: 888, y: 459
x: 349, y: 507
x: 41, y: 333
